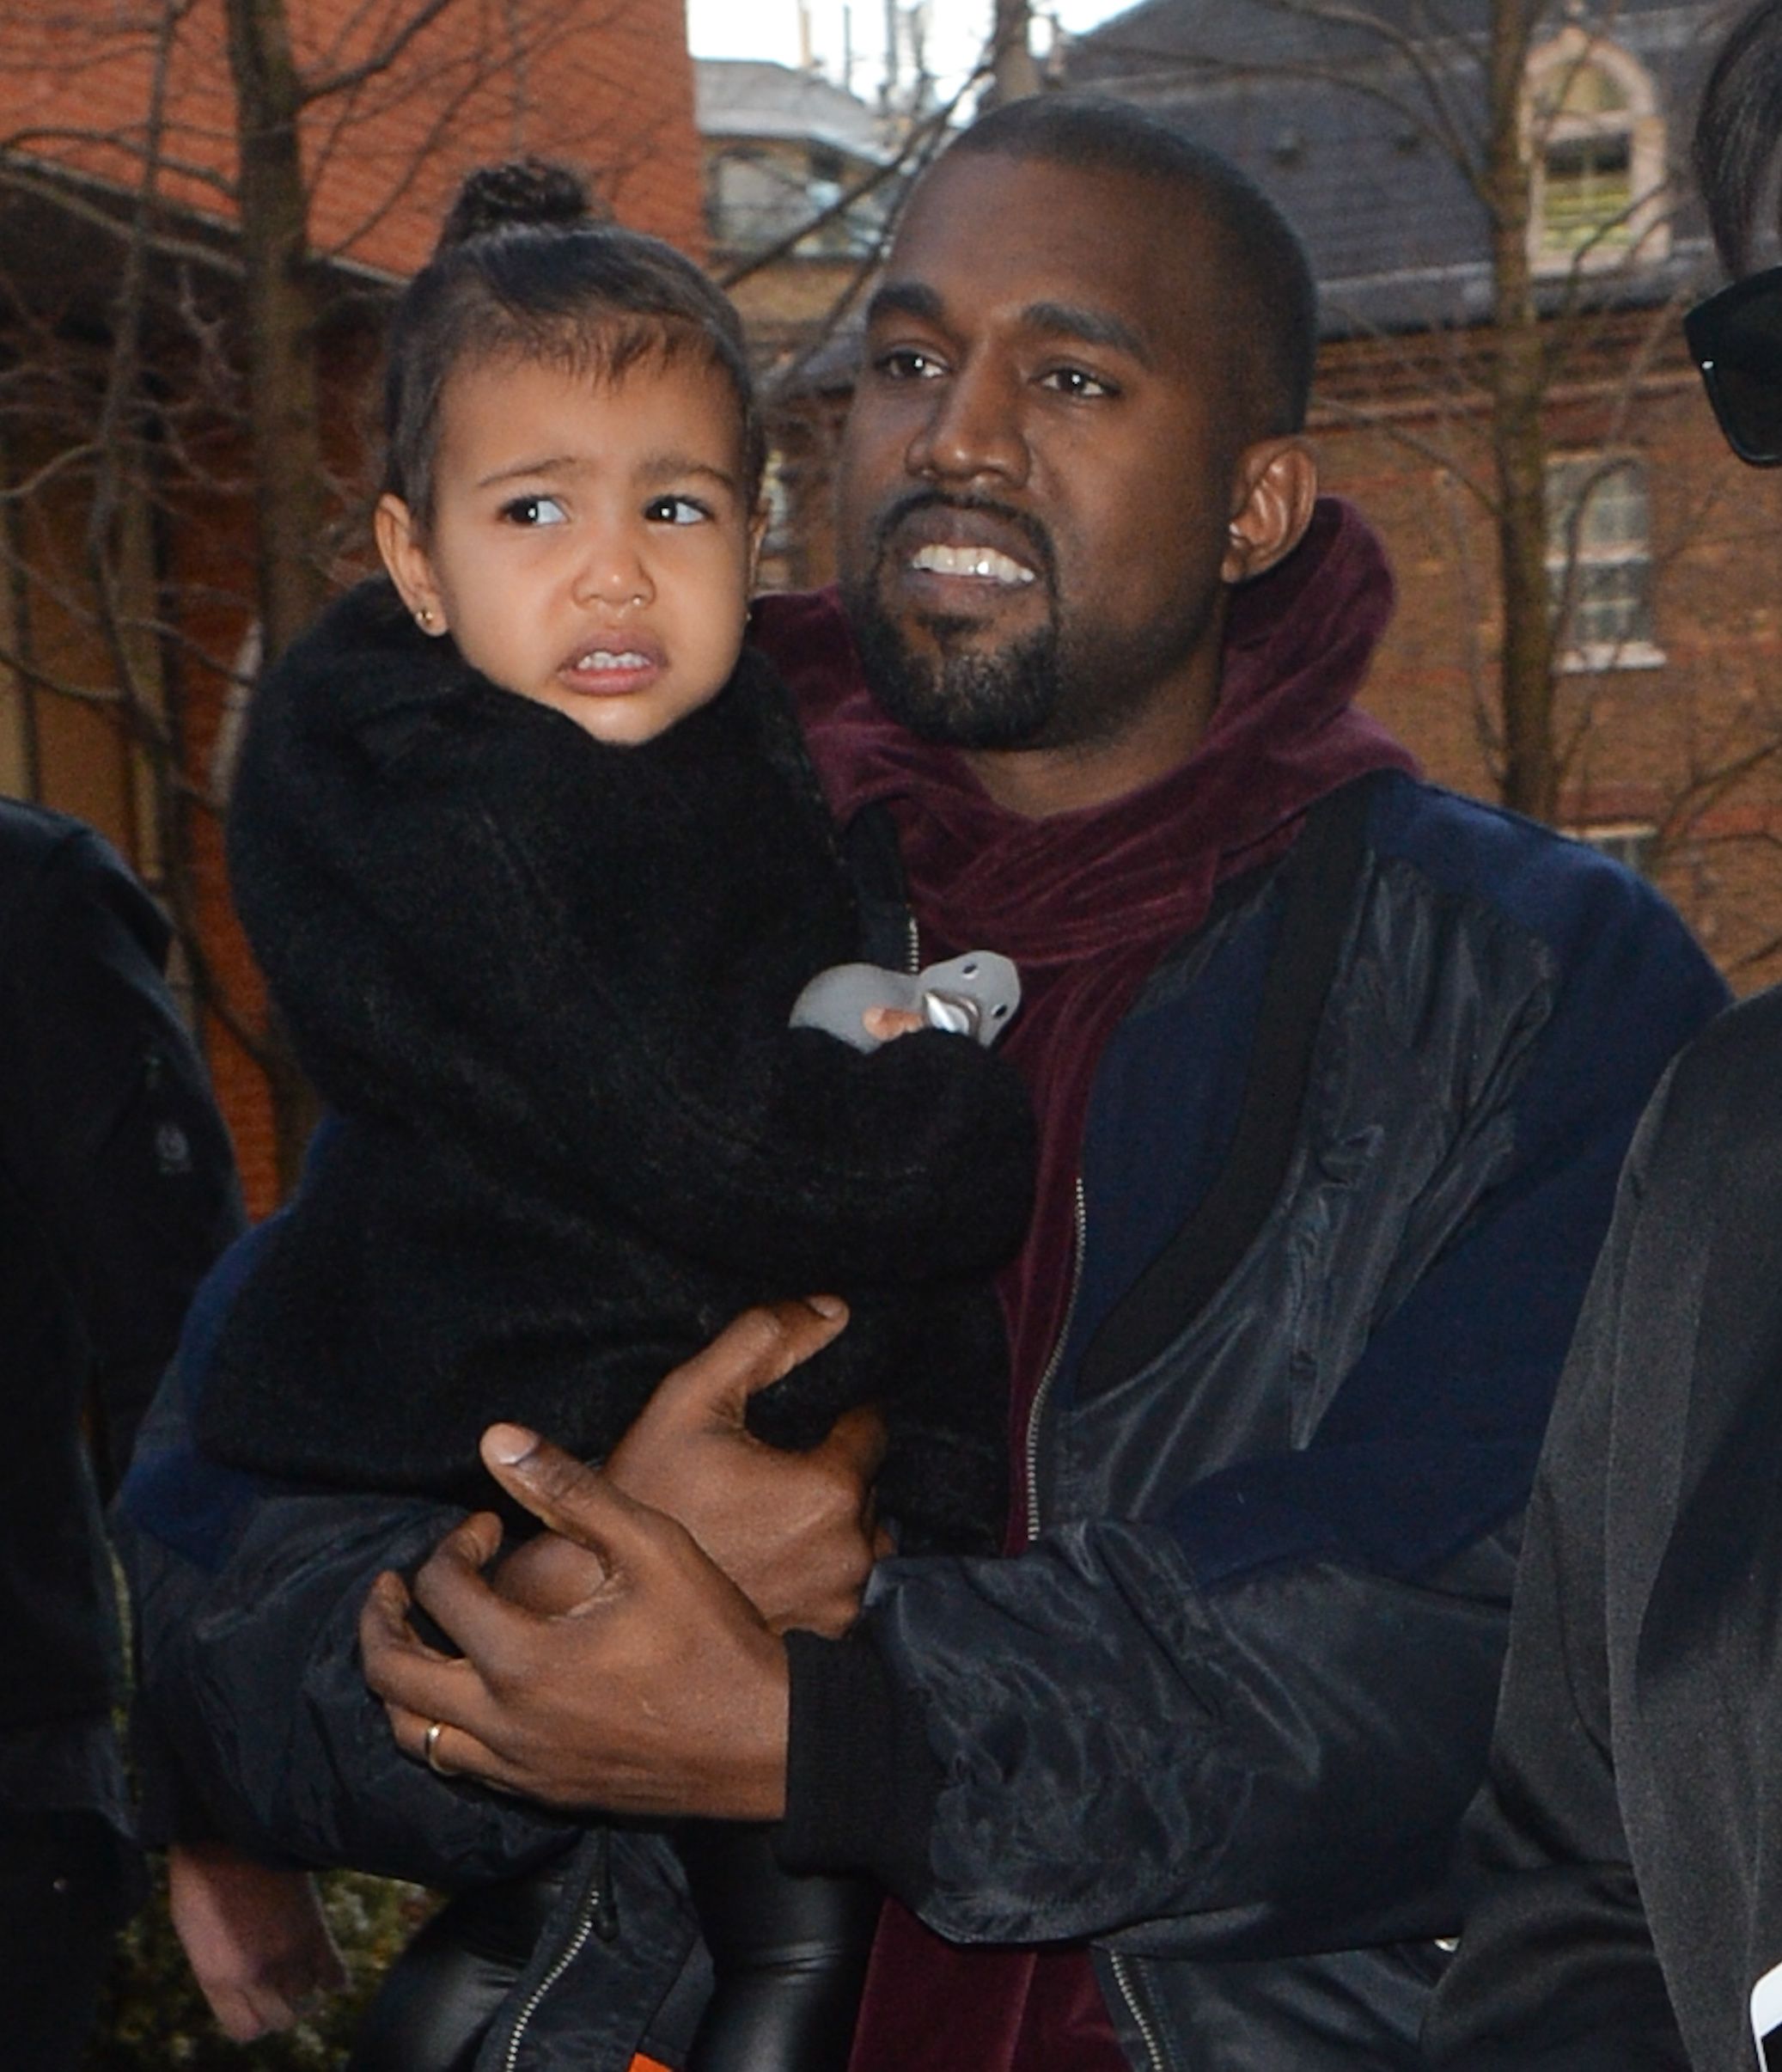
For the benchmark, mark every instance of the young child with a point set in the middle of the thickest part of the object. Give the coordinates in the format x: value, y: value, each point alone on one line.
x: 527, y: 845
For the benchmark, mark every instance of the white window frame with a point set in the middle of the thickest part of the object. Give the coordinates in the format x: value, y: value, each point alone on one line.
x: 1631, y: 843
x: 1642, y: 234
x: 1564, y: 565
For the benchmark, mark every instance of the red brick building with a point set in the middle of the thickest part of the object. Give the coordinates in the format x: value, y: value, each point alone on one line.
x: 143, y: 577
x: 1673, y: 728
x: 1662, y: 551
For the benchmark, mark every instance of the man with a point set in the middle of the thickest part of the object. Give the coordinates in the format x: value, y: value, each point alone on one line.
x: 117, y: 1189
x: 1334, y: 1071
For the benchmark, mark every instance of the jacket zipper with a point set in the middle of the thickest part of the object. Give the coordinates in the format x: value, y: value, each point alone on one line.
x: 1128, y: 1983
x: 595, y: 1913
x: 1037, y: 1410
x: 1123, y: 1973
x: 1128, y: 1986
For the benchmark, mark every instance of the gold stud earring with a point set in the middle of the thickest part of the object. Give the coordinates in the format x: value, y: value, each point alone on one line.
x: 423, y: 618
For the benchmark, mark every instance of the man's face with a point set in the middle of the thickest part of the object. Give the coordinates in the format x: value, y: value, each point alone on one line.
x: 1037, y: 475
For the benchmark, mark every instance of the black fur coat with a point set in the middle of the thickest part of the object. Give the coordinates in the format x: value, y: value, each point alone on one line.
x: 542, y: 983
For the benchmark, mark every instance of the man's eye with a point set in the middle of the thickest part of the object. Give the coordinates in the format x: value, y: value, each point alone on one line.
x: 676, y: 510
x: 907, y: 364
x: 1077, y: 382
x: 534, y: 511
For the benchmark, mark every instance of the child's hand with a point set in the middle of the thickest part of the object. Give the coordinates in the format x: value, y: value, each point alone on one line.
x: 882, y: 1023
x: 547, y: 1574
x: 254, y: 1937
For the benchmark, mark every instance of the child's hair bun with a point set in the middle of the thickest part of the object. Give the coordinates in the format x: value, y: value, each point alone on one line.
x: 532, y: 193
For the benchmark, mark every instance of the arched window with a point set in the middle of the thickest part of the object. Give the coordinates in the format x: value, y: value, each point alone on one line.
x: 1597, y: 151
x: 1599, y: 560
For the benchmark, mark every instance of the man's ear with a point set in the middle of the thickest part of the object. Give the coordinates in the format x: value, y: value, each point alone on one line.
x: 399, y: 541
x: 1273, y: 494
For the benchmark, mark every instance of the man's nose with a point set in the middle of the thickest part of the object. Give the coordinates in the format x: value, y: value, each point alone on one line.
x: 613, y: 572
x: 973, y: 429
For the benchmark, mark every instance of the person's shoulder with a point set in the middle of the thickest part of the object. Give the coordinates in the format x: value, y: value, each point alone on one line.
x: 69, y: 901
x: 1713, y: 1134
x: 360, y: 654
x: 1471, y: 846
x: 50, y: 850
x: 1549, y: 884
x: 31, y: 835
x: 367, y: 616
x: 1534, y: 920
x: 1734, y: 1067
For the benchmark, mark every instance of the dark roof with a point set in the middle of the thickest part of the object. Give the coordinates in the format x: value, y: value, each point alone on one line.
x: 752, y: 97
x: 1333, y: 123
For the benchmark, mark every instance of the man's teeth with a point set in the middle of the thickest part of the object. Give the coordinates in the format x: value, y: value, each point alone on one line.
x: 983, y: 561
x: 604, y: 659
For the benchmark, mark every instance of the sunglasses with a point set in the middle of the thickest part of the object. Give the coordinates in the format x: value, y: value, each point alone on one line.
x: 1735, y: 338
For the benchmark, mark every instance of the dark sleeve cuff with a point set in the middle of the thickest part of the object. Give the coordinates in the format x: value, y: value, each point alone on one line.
x: 168, y: 1808
x: 862, y: 1782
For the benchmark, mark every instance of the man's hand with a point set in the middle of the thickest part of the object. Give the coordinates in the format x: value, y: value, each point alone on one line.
x: 661, y: 1692
x: 255, y: 1936
x: 793, y: 1531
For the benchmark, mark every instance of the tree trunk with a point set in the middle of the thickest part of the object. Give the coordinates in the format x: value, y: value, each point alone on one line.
x: 284, y: 402
x: 1530, y: 772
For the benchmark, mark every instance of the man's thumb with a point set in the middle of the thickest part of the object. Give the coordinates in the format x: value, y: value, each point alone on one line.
x: 558, y: 1489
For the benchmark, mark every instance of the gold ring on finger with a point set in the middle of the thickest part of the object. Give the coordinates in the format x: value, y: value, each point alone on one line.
x: 430, y: 1748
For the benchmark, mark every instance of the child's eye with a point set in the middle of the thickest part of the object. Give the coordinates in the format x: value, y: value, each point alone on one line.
x: 1077, y: 382
x: 676, y: 510
x: 534, y: 511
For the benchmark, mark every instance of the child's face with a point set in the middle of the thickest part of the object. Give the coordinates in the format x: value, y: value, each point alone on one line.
x: 590, y: 546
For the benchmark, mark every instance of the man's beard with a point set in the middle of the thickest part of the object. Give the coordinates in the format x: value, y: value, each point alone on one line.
x: 1003, y: 700
x: 956, y: 698
x: 1051, y: 687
